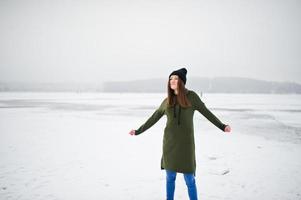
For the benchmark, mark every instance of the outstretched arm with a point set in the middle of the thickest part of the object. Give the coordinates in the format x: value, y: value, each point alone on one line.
x: 201, y: 107
x: 151, y: 121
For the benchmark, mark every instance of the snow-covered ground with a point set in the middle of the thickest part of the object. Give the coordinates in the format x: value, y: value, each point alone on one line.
x: 76, y: 146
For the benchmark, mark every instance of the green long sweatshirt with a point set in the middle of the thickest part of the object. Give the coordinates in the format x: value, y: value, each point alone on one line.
x: 178, y: 141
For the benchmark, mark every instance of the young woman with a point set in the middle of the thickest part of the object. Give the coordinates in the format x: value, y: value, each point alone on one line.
x: 178, y: 141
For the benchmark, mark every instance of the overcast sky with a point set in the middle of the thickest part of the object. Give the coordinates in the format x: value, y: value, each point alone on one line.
x: 110, y: 40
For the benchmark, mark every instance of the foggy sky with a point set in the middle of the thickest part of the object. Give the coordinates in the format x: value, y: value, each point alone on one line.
x: 110, y: 40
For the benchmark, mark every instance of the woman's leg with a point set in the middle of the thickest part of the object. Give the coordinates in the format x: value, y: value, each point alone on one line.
x: 191, y: 186
x: 170, y: 184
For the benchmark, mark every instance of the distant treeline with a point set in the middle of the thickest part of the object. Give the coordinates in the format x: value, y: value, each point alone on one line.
x: 49, y: 87
x: 208, y: 85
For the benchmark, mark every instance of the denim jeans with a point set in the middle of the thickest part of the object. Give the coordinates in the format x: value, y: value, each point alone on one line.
x: 171, y: 182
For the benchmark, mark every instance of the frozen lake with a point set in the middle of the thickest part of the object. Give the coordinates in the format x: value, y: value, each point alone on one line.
x: 76, y: 146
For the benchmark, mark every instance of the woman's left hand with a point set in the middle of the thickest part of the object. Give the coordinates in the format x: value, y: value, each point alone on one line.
x: 227, y: 128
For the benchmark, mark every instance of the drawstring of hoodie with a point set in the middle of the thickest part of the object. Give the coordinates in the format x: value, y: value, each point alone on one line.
x: 174, y: 111
x: 179, y: 115
x: 175, y: 115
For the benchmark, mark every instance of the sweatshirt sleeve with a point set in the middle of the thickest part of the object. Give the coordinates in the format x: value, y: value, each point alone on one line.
x: 153, y: 119
x: 201, y: 107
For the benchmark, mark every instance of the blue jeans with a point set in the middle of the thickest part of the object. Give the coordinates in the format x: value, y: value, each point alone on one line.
x: 171, y: 182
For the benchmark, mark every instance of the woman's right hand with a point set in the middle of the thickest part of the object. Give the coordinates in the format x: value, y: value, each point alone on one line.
x: 132, y: 132
x: 227, y: 128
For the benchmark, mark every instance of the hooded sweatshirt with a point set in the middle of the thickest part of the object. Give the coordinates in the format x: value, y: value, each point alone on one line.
x: 178, y: 140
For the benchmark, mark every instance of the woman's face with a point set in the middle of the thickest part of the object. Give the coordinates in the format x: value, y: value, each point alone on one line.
x: 173, y: 82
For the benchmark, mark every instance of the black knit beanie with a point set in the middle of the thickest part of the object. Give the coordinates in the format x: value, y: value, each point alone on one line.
x: 181, y: 73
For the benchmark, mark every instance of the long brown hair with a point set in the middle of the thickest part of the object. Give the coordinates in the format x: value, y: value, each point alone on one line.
x: 181, y: 97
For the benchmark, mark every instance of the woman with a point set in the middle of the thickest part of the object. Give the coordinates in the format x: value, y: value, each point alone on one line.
x: 178, y: 141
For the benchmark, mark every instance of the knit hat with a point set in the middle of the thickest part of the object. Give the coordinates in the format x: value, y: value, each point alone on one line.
x: 181, y: 73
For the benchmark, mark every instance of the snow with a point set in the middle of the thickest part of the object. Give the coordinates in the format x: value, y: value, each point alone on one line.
x: 59, y: 146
